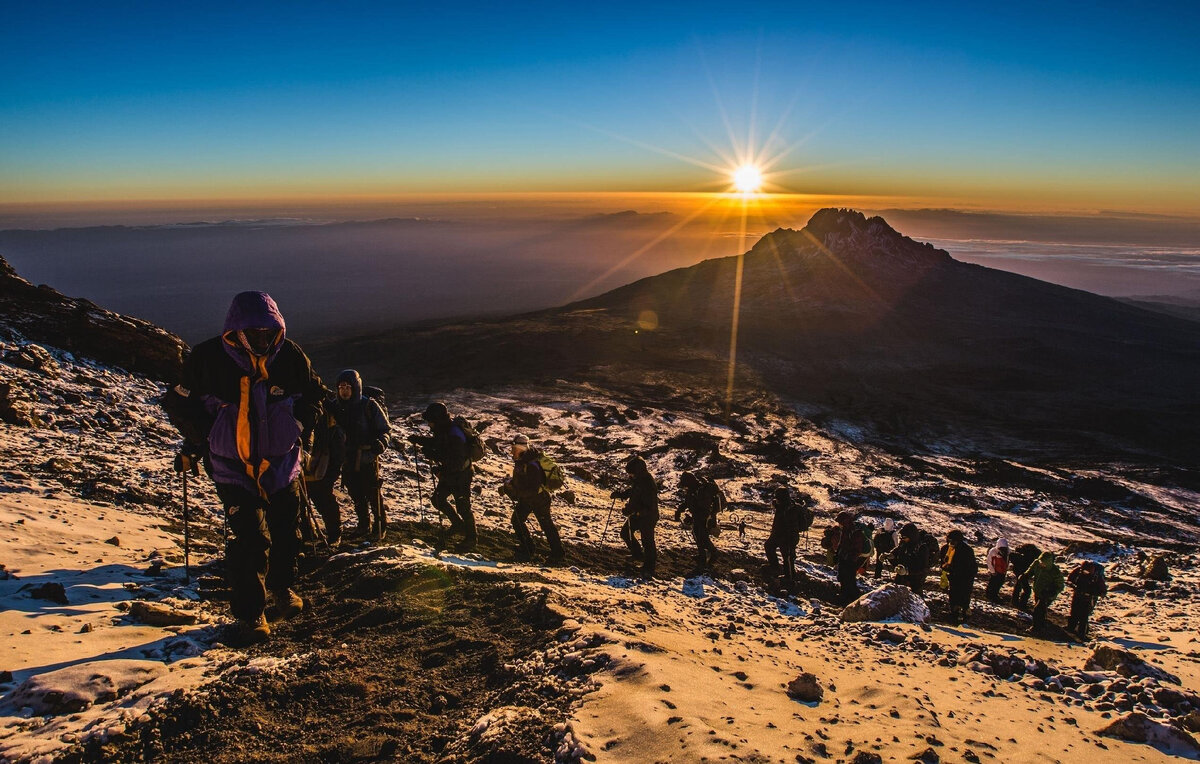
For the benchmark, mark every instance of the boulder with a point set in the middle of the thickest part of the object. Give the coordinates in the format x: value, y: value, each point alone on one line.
x: 1155, y: 568
x: 16, y: 406
x: 499, y: 735
x: 806, y: 688
x: 890, y: 602
x: 1139, y: 728
x: 1126, y: 663
x: 158, y: 614
x: 72, y: 689
x: 34, y: 358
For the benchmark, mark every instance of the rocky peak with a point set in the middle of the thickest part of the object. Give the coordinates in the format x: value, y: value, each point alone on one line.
x: 42, y: 314
x: 855, y: 237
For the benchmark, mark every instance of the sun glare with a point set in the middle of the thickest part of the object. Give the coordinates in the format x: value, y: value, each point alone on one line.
x: 747, y: 179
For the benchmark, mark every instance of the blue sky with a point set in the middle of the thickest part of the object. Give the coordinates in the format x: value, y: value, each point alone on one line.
x: 1070, y: 105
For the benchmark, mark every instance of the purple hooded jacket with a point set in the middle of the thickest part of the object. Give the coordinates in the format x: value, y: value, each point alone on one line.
x: 251, y: 411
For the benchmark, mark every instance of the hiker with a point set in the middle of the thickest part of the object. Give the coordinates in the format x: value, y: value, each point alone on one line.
x: 960, y: 567
x: 1047, y: 581
x: 702, y: 500
x: 853, y: 546
x: 366, y: 428
x: 1019, y: 561
x: 912, y: 557
x: 449, y: 449
x: 641, y: 514
x: 884, y: 541
x: 527, y: 487
x: 790, y: 520
x: 830, y: 538
x: 997, y: 568
x: 245, y: 401
x: 323, y: 468
x: 1088, y: 585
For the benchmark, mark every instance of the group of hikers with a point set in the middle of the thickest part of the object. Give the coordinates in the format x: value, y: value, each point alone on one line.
x: 914, y: 554
x: 275, y: 441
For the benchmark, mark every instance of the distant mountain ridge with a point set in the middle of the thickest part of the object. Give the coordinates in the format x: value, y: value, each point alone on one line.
x: 850, y: 315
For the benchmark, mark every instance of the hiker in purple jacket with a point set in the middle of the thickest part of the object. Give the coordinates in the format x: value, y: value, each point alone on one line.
x: 245, y: 403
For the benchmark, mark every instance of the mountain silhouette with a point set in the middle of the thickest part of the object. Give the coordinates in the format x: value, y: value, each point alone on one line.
x: 850, y: 318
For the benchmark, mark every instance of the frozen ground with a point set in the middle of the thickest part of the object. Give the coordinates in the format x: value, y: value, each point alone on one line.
x: 676, y: 668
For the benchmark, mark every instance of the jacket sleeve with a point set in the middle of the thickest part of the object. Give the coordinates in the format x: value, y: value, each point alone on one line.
x: 379, y: 424
x: 312, y: 393
x: 184, y: 407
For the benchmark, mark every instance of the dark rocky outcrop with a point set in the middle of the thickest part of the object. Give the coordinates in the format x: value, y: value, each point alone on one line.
x: 41, y: 314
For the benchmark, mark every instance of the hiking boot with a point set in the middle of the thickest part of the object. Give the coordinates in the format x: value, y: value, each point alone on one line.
x: 466, y: 545
x: 245, y: 632
x: 287, y: 604
x: 522, y: 556
x: 360, y: 531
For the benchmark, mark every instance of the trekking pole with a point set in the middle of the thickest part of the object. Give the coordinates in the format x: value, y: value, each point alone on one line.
x: 187, y: 534
x: 310, y: 516
x: 420, y: 492
x: 607, y: 519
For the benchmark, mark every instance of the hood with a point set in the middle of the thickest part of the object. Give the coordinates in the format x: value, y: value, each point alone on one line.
x: 254, y: 310
x: 352, y: 376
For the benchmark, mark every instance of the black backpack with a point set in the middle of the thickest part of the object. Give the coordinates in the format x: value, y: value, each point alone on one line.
x: 376, y: 394
x: 475, y: 449
x: 804, y: 516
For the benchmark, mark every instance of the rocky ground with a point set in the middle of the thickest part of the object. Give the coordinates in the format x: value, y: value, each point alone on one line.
x: 412, y: 654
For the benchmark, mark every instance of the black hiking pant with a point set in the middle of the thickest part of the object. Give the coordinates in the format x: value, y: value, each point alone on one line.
x: 848, y: 578
x: 458, y: 485
x: 320, y: 493
x: 959, y: 599
x: 706, y: 551
x: 262, y: 552
x: 914, y: 581
x: 361, y: 478
x: 642, y: 524
x: 778, y: 545
x: 1022, y: 588
x: 1082, y: 606
x: 1041, y: 605
x: 995, y: 581
x: 539, y: 507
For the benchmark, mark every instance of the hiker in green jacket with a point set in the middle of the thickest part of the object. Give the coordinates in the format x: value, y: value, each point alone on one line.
x: 1047, y: 581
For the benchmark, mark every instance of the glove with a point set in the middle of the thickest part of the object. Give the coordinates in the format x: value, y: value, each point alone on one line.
x: 378, y: 447
x: 187, y: 461
x: 615, y: 495
x: 416, y: 440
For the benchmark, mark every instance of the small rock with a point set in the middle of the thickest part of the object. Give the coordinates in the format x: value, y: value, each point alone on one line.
x: 85, y: 629
x: 928, y: 756
x: 1139, y: 728
x: 52, y: 592
x: 115, y: 541
x: 1155, y: 569
x: 806, y: 688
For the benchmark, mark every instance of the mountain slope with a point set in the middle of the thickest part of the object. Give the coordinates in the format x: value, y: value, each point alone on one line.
x: 42, y: 314
x: 849, y: 315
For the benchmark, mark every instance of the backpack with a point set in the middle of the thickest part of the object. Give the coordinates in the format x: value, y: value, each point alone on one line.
x: 929, y: 545
x: 376, y: 394
x: 714, y: 491
x: 868, y: 550
x: 475, y: 448
x: 552, y: 474
x: 804, y: 516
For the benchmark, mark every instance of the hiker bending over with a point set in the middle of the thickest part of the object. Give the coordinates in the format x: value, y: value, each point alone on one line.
x: 246, y: 400
x: 449, y: 449
x: 641, y: 514
x: 365, y: 425
x: 702, y: 500
x: 1088, y: 585
x: 912, y: 557
x: 1019, y: 561
x: 885, y: 540
x: 528, y: 486
x: 1047, y: 581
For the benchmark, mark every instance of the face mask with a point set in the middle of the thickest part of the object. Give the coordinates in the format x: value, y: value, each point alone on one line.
x: 258, y: 341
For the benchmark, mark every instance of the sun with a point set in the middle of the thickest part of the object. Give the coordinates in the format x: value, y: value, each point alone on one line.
x: 747, y: 179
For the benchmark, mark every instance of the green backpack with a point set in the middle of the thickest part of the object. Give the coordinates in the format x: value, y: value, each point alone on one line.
x: 552, y: 473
